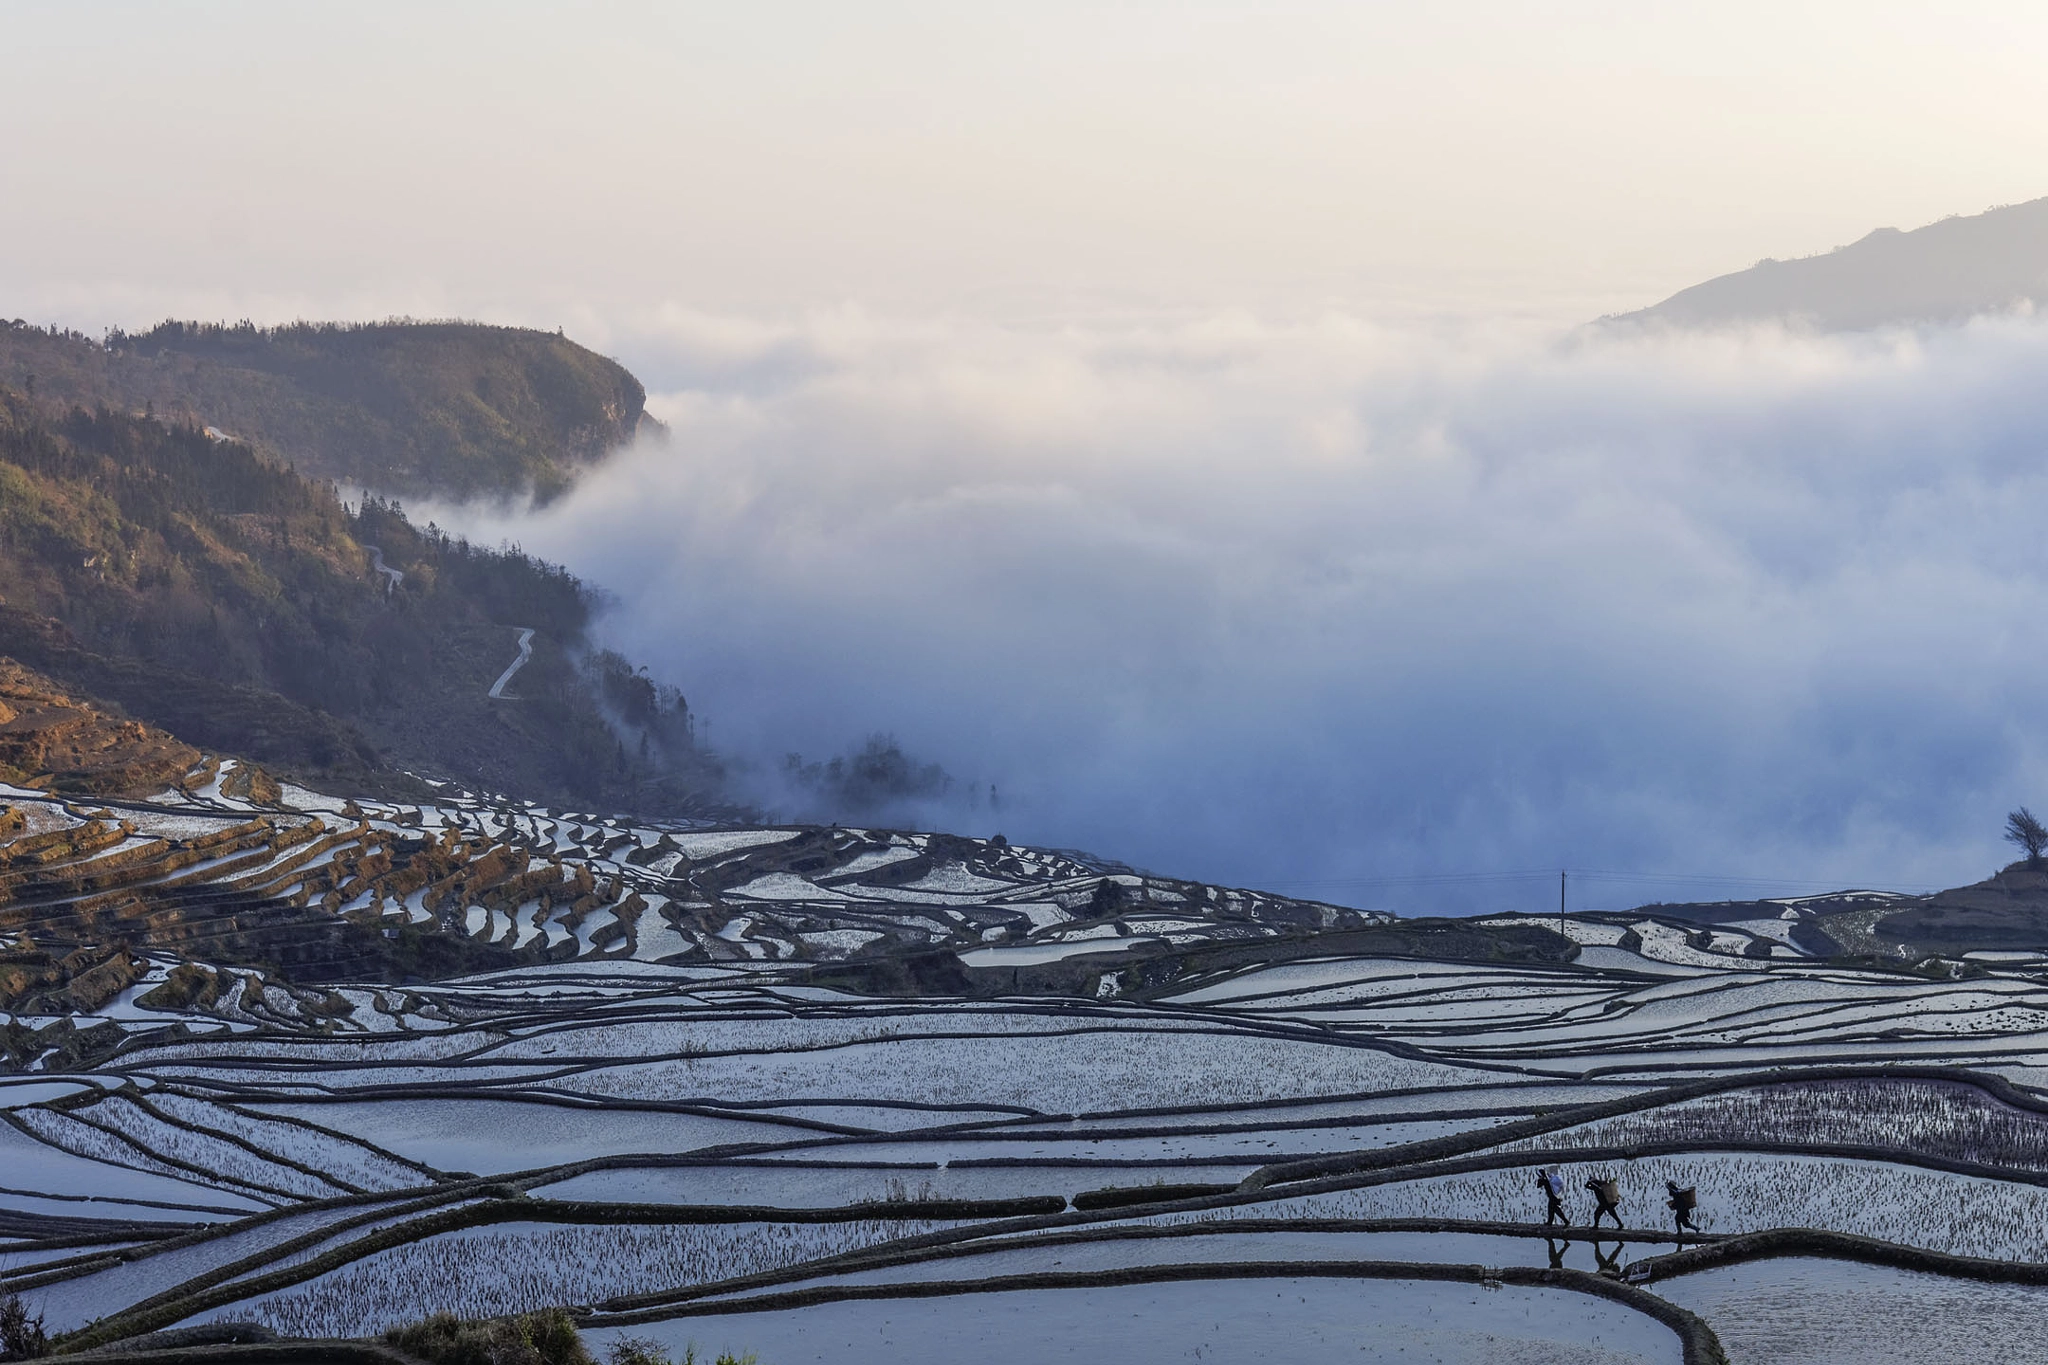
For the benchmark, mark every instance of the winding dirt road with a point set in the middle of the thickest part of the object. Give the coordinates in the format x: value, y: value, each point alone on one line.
x: 525, y: 653
x: 392, y: 577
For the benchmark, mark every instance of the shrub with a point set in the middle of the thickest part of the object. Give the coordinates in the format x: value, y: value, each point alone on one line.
x: 644, y: 1351
x: 640, y: 1351
x: 547, y: 1337
x: 21, y: 1336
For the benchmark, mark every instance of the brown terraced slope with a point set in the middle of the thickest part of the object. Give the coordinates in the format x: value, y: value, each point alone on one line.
x: 53, y: 741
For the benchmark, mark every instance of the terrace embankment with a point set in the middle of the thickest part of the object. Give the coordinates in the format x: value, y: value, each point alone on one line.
x: 87, y: 894
x: 1140, y: 968
x: 737, y: 1142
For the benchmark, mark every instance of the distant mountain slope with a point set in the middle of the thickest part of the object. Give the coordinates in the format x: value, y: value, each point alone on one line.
x: 2006, y: 912
x: 401, y: 407
x: 1943, y: 272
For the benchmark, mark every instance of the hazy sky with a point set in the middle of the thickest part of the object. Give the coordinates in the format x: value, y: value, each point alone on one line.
x: 576, y: 163
x: 1169, y: 413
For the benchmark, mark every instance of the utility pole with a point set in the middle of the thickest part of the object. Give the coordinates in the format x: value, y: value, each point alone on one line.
x: 1560, y: 903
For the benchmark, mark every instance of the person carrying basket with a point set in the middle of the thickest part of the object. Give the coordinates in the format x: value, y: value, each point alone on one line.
x: 1682, y: 1203
x: 1607, y: 1197
x: 1552, y: 1185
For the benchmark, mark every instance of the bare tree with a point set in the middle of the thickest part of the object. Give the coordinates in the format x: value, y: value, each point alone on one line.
x: 2030, y: 834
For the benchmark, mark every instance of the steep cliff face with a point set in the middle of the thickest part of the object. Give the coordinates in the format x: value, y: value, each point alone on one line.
x: 454, y: 409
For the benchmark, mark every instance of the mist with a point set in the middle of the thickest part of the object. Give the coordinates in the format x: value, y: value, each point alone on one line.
x: 1343, y: 610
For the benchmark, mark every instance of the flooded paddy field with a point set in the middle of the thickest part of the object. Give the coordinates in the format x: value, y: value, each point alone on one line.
x: 786, y: 1098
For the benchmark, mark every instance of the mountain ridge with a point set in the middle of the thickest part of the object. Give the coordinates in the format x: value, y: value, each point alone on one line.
x: 1946, y: 271
x: 403, y: 407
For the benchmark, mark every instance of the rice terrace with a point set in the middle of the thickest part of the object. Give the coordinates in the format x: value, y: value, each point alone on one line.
x: 838, y: 1094
x: 904, y: 683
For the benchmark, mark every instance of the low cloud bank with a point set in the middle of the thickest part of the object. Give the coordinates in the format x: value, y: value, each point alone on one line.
x: 1323, y: 605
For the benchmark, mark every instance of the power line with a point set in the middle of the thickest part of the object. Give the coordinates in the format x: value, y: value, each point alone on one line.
x: 1608, y: 876
x: 1423, y: 878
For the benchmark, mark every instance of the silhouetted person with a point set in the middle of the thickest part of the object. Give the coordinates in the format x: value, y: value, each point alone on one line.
x: 1556, y: 1250
x: 1607, y: 1195
x: 1552, y: 1185
x: 1682, y: 1203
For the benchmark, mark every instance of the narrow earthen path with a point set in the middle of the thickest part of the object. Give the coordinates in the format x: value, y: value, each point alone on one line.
x: 525, y: 652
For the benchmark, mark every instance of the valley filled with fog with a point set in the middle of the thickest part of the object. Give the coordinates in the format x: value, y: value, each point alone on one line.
x: 1322, y: 604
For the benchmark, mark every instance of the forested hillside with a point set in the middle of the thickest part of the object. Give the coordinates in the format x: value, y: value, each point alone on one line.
x: 456, y: 409
x: 213, y: 592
